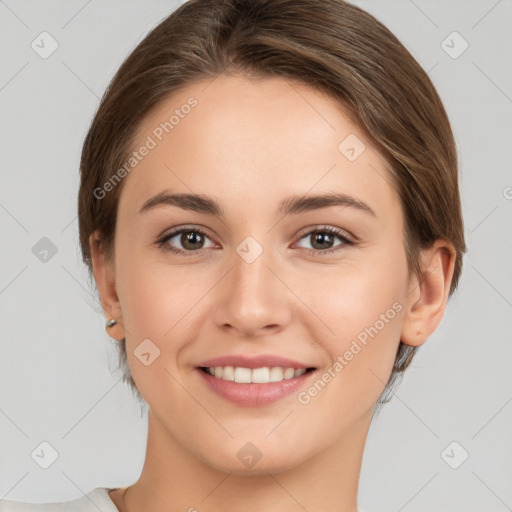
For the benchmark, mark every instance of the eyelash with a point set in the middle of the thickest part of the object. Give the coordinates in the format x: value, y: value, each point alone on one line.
x: 325, y: 229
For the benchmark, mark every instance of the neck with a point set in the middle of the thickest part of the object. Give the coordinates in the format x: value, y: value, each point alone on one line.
x: 174, y: 480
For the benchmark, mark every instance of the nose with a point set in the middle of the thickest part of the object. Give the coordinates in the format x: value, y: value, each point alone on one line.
x: 253, y: 301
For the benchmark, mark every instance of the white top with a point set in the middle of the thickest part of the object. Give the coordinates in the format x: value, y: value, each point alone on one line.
x: 97, y: 500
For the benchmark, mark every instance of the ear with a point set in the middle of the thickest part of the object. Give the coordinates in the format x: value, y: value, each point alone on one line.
x: 104, y: 275
x: 428, y: 294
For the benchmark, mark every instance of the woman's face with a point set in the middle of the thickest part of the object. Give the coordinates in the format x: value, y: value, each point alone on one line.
x: 257, y: 282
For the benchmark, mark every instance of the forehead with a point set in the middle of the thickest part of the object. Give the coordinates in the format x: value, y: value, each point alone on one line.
x: 249, y: 142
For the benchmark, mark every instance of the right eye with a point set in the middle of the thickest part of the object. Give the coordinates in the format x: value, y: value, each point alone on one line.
x: 191, y: 239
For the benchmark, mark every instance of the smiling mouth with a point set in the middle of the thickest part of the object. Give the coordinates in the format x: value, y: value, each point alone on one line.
x: 263, y: 375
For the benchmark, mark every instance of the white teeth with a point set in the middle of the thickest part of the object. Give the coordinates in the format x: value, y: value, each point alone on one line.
x: 242, y: 375
x: 228, y: 373
x: 289, y: 373
x: 276, y: 374
x: 262, y: 375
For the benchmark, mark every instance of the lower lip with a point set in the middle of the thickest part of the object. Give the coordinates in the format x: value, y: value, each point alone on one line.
x: 254, y: 394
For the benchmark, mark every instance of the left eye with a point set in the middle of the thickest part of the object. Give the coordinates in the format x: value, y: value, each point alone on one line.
x: 325, y: 236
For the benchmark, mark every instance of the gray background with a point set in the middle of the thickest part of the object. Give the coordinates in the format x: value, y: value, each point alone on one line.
x: 57, y: 367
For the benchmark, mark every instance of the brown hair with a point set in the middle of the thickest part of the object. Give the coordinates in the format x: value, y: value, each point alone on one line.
x: 331, y: 45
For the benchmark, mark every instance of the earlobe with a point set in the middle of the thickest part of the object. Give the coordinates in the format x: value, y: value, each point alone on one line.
x: 428, y: 295
x: 104, y: 276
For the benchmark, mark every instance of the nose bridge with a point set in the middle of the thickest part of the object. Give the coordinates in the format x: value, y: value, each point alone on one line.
x: 252, y: 279
x: 254, y: 298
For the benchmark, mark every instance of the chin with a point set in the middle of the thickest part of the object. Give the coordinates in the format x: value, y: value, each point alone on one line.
x: 252, y: 459
x: 264, y: 466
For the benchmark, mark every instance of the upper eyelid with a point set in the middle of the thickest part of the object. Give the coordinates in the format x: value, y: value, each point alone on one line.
x: 173, y: 232
x: 327, y: 227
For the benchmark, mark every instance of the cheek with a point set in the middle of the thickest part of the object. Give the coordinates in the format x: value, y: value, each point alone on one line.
x: 359, y: 334
x: 153, y: 295
x: 346, y: 300
x: 358, y: 318
x: 155, y: 302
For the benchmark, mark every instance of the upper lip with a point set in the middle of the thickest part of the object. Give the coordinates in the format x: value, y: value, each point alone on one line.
x: 260, y: 361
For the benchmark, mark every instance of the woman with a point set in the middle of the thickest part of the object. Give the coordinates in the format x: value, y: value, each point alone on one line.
x: 269, y: 205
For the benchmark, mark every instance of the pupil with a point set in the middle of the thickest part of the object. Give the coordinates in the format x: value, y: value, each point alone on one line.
x: 188, y: 239
x: 322, y: 237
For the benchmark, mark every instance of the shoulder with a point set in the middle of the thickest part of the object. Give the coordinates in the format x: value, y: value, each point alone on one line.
x: 97, y: 499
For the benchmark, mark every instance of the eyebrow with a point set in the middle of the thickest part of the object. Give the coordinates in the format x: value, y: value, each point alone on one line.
x: 290, y: 206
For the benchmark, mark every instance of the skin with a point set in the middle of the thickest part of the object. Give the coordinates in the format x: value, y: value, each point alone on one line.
x: 249, y: 144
